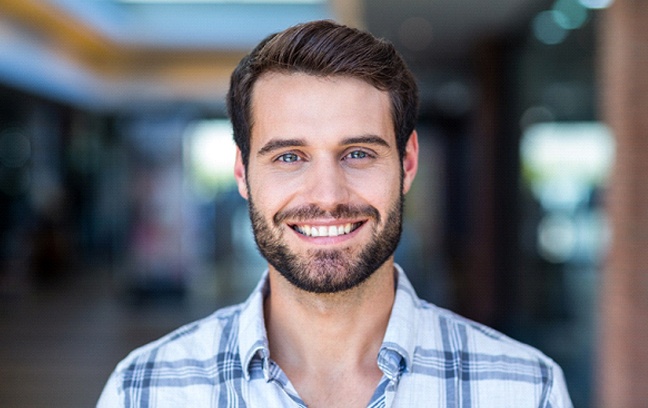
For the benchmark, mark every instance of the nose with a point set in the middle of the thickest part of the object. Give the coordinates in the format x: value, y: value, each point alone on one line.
x: 327, y: 184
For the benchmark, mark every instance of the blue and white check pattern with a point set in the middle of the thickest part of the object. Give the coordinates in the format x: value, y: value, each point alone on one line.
x: 430, y: 357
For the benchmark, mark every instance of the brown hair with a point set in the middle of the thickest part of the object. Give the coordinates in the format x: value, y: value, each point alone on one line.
x: 324, y: 48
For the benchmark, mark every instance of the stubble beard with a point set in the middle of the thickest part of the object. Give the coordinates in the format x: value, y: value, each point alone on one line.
x: 332, y: 270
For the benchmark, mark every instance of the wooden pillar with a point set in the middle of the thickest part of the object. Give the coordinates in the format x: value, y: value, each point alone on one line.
x: 622, y: 365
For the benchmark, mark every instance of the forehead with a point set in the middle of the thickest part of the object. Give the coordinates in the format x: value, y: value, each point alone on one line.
x: 300, y: 105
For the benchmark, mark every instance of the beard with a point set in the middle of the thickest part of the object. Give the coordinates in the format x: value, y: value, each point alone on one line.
x: 328, y: 270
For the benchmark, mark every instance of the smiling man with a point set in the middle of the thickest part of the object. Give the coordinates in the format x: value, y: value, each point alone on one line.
x: 324, y: 118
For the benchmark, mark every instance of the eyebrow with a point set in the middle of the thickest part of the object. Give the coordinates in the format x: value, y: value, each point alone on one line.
x: 277, y: 144
x: 366, y: 139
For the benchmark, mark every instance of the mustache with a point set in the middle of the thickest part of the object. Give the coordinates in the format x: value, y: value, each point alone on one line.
x: 311, y: 211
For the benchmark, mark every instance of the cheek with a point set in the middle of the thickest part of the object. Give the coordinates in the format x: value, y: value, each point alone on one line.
x: 269, y: 198
x: 261, y: 186
x: 381, y: 187
x: 274, y: 190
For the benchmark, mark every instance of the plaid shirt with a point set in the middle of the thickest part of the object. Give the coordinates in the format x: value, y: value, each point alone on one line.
x: 430, y: 357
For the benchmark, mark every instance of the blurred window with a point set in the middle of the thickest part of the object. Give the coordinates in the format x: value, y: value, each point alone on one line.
x: 209, y: 156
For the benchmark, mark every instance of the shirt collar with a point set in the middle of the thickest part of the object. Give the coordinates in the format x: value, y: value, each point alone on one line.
x: 395, y: 353
x: 252, y: 336
x: 399, y: 342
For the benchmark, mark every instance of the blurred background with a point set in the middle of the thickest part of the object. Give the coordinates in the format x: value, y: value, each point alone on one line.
x: 120, y: 220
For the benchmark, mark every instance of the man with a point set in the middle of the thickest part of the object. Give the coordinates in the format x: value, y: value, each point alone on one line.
x: 323, y: 118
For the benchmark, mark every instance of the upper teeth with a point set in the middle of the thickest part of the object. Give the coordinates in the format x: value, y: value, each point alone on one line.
x: 324, y: 231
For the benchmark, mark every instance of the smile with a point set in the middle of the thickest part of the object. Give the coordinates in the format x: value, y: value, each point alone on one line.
x: 326, y: 230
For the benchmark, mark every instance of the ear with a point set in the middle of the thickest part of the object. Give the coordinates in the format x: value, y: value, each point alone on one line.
x: 410, y: 161
x: 240, y: 175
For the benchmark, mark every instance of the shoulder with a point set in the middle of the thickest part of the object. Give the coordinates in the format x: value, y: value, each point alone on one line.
x: 456, y: 347
x: 200, y: 340
x: 457, y: 333
x: 438, y: 341
x: 466, y: 359
x: 187, y: 358
x: 440, y: 345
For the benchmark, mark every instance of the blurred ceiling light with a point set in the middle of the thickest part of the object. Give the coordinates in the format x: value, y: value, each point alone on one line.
x: 557, y: 238
x: 570, y: 14
x: 547, y: 30
x: 596, y: 4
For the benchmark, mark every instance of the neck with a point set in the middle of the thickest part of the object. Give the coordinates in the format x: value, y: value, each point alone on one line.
x: 325, y: 330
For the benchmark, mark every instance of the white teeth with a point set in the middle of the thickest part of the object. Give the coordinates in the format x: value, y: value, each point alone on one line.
x: 325, y: 231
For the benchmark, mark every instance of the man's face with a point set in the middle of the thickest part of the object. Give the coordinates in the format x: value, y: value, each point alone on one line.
x: 324, y: 181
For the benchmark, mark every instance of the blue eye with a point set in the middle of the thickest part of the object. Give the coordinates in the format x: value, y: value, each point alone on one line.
x: 357, y: 154
x: 288, y: 158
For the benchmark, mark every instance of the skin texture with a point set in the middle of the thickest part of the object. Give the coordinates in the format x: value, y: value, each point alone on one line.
x: 323, y: 153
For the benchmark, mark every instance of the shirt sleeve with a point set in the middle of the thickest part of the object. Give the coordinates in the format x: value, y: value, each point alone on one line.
x: 559, y: 396
x: 112, y: 394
